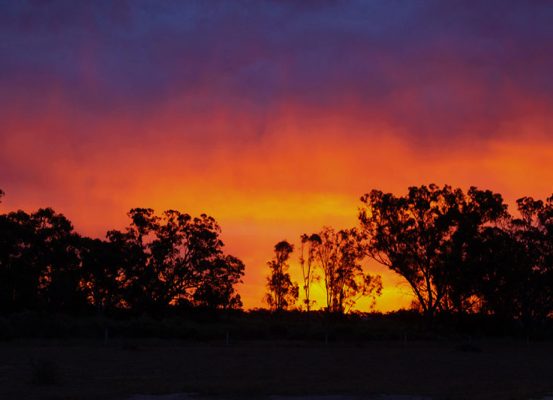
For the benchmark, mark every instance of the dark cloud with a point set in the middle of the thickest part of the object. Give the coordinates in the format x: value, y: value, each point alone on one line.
x: 430, y: 67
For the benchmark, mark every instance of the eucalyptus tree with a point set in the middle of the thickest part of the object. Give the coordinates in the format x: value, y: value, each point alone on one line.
x: 533, y: 232
x: 172, y: 259
x: 307, y: 263
x: 39, y: 265
x: 282, y: 293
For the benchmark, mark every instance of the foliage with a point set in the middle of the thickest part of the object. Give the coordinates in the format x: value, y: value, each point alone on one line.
x: 282, y: 292
x: 307, y: 263
x: 156, y: 263
x: 517, y: 264
x: 39, y: 264
x: 424, y: 237
x: 175, y: 259
x: 461, y: 252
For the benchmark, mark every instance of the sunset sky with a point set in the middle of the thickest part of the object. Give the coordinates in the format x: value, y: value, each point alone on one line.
x: 272, y: 116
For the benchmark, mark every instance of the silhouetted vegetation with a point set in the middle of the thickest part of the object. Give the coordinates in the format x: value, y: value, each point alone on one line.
x: 282, y: 292
x: 472, y: 266
x: 155, y: 264
x: 463, y: 253
x: 338, y: 256
x: 307, y: 264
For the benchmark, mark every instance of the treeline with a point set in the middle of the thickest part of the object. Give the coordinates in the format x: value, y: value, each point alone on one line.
x: 464, y: 252
x: 460, y: 252
x: 156, y: 263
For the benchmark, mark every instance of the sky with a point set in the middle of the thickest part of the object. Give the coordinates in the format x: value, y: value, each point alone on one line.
x: 272, y: 116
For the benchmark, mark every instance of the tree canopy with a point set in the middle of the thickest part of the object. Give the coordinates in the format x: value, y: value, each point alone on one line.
x: 338, y: 255
x: 423, y: 236
x: 282, y: 292
x: 460, y: 252
x: 463, y: 252
x: 156, y: 263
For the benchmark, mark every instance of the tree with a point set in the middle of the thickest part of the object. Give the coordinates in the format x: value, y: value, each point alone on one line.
x: 475, y: 217
x: 136, y: 278
x: 55, y: 251
x: 39, y: 265
x: 424, y: 237
x: 307, y: 258
x: 19, y: 274
x: 168, y: 260
x: 339, y: 255
x: 515, y: 264
x: 155, y: 263
x: 504, y: 273
x: 533, y: 232
x: 217, y: 284
x: 282, y: 292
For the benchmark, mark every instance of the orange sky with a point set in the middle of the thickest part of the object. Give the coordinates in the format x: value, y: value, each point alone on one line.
x: 301, y: 175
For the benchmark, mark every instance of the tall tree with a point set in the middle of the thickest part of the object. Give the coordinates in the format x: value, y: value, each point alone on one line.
x: 55, y: 251
x: 282, y: 292
x: 307, y: 262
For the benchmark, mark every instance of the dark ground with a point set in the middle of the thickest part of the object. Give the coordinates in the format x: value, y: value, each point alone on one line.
x: 440, y: 369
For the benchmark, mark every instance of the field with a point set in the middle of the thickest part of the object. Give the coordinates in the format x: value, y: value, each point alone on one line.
x: 81, y: 369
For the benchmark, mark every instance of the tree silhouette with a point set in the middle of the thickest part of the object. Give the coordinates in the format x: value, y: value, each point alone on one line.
x: 155, y: 263
x: 217, y: 284
x: 533, y: 232
x: 461, y: 252
x: 168, y: 260
x: 137, y: 280
x: 476, y: 214
x: 282, y: 293
x: 422, y: 237
x: 339, y: 255
x: 307, y: 263
x: 39, y: 263
x: 514, y: 264
x: 503, y: 273
x: 56, y: 253
x: 19, y: 274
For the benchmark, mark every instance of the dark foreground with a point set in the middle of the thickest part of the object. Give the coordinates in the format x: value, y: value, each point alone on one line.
x: 441, y: 370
